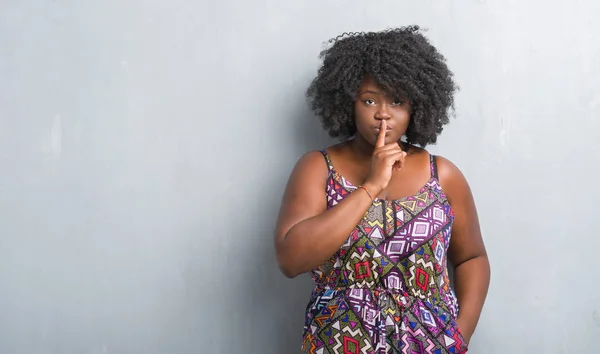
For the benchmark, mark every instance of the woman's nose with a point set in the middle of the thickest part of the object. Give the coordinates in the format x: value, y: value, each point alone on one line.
x: 383, y: 112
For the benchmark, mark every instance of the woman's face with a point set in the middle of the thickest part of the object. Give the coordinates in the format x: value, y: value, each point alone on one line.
x: 372, y: 106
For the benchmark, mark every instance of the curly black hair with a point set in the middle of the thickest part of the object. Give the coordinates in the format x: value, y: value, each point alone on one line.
x: 402, y: 62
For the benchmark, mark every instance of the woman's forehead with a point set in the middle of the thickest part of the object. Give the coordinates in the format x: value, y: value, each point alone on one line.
x: 369, y: 85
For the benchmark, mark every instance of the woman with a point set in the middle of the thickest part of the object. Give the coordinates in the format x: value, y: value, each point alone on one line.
x: 375, y: 219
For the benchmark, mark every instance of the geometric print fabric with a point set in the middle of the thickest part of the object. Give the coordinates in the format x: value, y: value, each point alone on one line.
x: 387, y: 290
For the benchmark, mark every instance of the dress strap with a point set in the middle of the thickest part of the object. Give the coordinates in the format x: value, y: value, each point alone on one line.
x: 327, y: 159
x: 433, y: 166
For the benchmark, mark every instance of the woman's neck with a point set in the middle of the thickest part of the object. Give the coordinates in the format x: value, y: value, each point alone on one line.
x: 361, y: 148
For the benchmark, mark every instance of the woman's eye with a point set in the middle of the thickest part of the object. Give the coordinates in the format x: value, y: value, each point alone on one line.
x: 370, y: 102
x: 397, y: 102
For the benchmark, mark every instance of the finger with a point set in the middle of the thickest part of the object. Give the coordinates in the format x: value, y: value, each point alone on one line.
x: 399, y: 164
x: 387, y: 152
x: 381, y: 136
x: 391, y: 158
x: 391, y: 147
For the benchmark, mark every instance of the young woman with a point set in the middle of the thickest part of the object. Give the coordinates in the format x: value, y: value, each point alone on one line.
x: 375, y: 219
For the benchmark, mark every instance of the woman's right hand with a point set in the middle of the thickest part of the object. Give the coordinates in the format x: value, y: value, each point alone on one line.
x: 385, y: 160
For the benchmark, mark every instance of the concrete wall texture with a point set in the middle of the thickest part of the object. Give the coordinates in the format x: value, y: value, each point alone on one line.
x: 144, y: 147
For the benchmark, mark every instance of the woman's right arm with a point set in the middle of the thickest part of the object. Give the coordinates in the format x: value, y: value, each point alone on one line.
x: 307, y: 234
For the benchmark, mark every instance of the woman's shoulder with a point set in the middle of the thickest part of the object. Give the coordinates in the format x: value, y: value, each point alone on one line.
x: 447, y: 171
x: 451, y: 178
x: 318, y: 160
x: 320, y: 155
x: 444, y: 165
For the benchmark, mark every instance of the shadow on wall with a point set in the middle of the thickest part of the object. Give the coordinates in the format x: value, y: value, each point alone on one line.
x: 275, y: 302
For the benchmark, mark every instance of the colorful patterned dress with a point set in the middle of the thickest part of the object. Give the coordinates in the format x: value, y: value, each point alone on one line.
x: 387, y: 289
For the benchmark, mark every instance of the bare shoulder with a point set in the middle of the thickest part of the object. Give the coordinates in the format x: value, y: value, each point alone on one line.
x: 310, y: 169
x: 311, y: 160
x: 451, y: 178
x: 314, y: 160
x: 447, y: 169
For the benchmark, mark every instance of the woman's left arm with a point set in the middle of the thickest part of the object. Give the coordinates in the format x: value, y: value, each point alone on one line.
x: 467, y: 251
